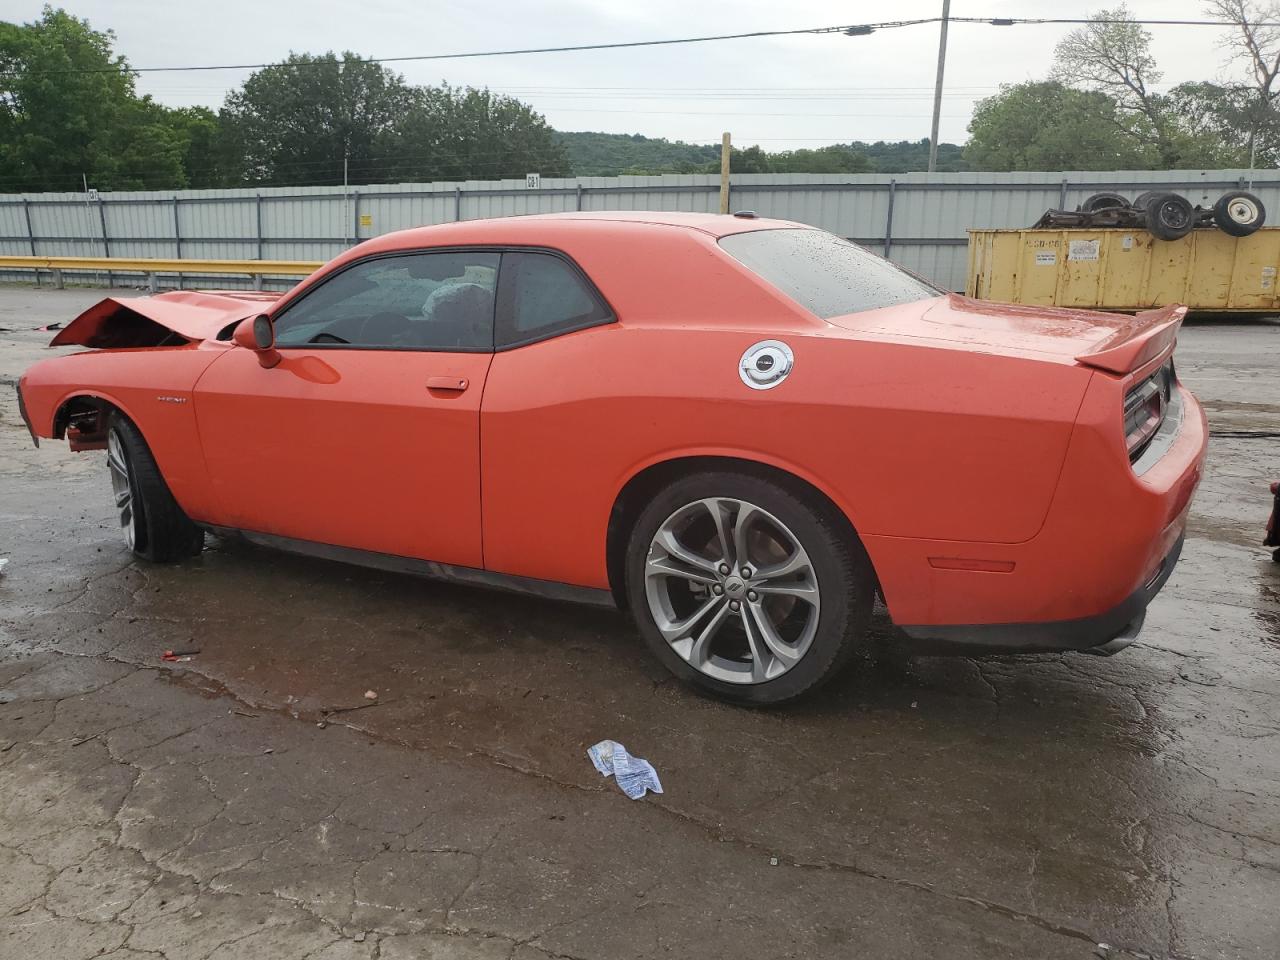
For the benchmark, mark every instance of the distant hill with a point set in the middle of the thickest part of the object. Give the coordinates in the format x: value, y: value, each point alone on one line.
x: 905, y: 156
x: 612, y: 154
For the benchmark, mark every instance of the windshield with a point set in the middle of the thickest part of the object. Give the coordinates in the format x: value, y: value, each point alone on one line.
x: 823, y: 273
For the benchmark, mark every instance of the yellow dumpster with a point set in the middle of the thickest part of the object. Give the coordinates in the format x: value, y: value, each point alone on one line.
x: 1119, y: 269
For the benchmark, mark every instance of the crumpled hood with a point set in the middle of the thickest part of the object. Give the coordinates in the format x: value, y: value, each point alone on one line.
x: 192, y: 314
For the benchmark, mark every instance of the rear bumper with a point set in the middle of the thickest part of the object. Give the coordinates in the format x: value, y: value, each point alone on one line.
x: 1104, y: 633
x: 1109, y: 543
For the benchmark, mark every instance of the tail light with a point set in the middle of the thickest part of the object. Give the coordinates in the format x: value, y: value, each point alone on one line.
x: 1145, y: 406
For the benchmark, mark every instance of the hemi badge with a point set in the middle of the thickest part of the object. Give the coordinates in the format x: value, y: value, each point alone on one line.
x: 164, y: 399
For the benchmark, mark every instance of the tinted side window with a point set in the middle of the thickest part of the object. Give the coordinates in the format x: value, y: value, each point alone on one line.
x: 422, y: 301
x: 540, y: 295
x: 823, y: 273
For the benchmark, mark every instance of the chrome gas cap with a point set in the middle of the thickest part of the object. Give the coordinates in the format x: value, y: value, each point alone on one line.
x: 766, y: 364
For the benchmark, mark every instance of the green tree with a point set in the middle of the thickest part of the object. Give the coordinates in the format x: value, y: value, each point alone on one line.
x: 69, y: 113
x: 903, y: 156
x: 751, y: 160
x: 452, y: 133
x: 1112, y: 55
x: 205, y: 158
x: 1049, y: 126
x: 1255, y: 44
x: 68, y: 110
x: 610, y: 154
x: 836, y: 158
x: 1227, y: 126
x: 296, y: 122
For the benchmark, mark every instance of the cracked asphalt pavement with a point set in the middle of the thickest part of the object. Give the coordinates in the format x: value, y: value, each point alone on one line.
x: 233, y: 806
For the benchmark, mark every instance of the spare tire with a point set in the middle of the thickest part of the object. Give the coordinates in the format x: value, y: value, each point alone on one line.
x: 1169, y: 216
x: 1103, y: 201
x: 1239, y: 214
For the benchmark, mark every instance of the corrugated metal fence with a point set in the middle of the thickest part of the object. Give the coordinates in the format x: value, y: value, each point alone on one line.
x: 917, y: 219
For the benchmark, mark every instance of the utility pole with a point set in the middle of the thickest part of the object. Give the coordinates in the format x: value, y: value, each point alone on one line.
x: 937, y: 92
x: 725, y: 151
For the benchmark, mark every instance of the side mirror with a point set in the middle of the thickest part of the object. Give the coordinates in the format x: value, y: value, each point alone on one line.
x: 257, y: 334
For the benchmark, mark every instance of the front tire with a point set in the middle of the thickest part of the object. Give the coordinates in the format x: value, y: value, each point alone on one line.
x: 747, y: 590
x: 154, y: 526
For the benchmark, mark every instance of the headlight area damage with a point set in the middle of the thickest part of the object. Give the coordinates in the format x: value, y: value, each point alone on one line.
x: 64, y: 396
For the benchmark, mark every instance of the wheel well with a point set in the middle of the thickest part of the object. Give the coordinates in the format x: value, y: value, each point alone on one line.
x: 641, y: 488
x: 83, y: 419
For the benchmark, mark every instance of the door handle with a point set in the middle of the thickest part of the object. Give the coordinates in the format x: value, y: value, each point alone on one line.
x: 451, y: 384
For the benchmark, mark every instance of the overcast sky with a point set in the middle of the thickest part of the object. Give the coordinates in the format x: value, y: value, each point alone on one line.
x: 780, y: 92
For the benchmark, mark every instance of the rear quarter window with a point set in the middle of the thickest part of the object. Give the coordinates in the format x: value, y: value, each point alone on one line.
x: 823, y: 273
x: 541, y: 295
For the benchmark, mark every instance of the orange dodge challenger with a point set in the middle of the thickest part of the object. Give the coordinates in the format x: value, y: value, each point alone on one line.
x: 740, y: 429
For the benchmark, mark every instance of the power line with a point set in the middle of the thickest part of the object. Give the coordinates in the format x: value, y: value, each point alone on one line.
x: 855, y: 30
x: 499, y: 53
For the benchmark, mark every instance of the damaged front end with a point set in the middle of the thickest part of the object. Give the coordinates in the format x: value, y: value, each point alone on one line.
x: 166, y: 320
x: 82, y: 420
x: 145, y: 351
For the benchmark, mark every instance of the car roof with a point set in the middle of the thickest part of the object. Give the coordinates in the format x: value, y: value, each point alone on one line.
x: 547, y: 227
x: 716, y: 224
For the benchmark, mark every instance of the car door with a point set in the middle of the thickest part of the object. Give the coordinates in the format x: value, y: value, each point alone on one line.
x: 540, y: 483
x: 366, y: 434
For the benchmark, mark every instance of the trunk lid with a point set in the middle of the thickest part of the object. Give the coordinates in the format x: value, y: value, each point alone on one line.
x: 133, y: 321
x: 1117, y: 343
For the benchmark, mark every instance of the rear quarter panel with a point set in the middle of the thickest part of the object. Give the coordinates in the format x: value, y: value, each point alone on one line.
x: 910, y: 441
x: 134, y: 381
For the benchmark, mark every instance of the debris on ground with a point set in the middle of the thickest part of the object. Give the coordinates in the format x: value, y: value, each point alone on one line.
x: 330, y: 711
x: 371, y: 694
x: 633, y: 775
x: 178, y: 656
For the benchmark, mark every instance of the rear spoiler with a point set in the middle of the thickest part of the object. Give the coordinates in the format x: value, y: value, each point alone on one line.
x: 1151, y: 334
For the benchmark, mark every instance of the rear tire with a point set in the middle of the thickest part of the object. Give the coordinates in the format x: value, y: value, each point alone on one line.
x: 747, y: 590
x: 1170, y: 216
x: 1239, y: 214
x: 154, y: 525
x: 1140, y: 201
x: 1103, y: 201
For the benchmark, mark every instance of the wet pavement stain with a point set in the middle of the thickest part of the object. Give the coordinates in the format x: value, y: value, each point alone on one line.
x: 1018, y: 807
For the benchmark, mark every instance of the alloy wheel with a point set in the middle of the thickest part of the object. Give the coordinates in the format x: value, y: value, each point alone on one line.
x: 732, y: 590
x: 122, y: 487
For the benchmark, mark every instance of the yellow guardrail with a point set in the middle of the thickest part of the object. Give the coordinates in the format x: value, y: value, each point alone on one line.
x: 152, y: 266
